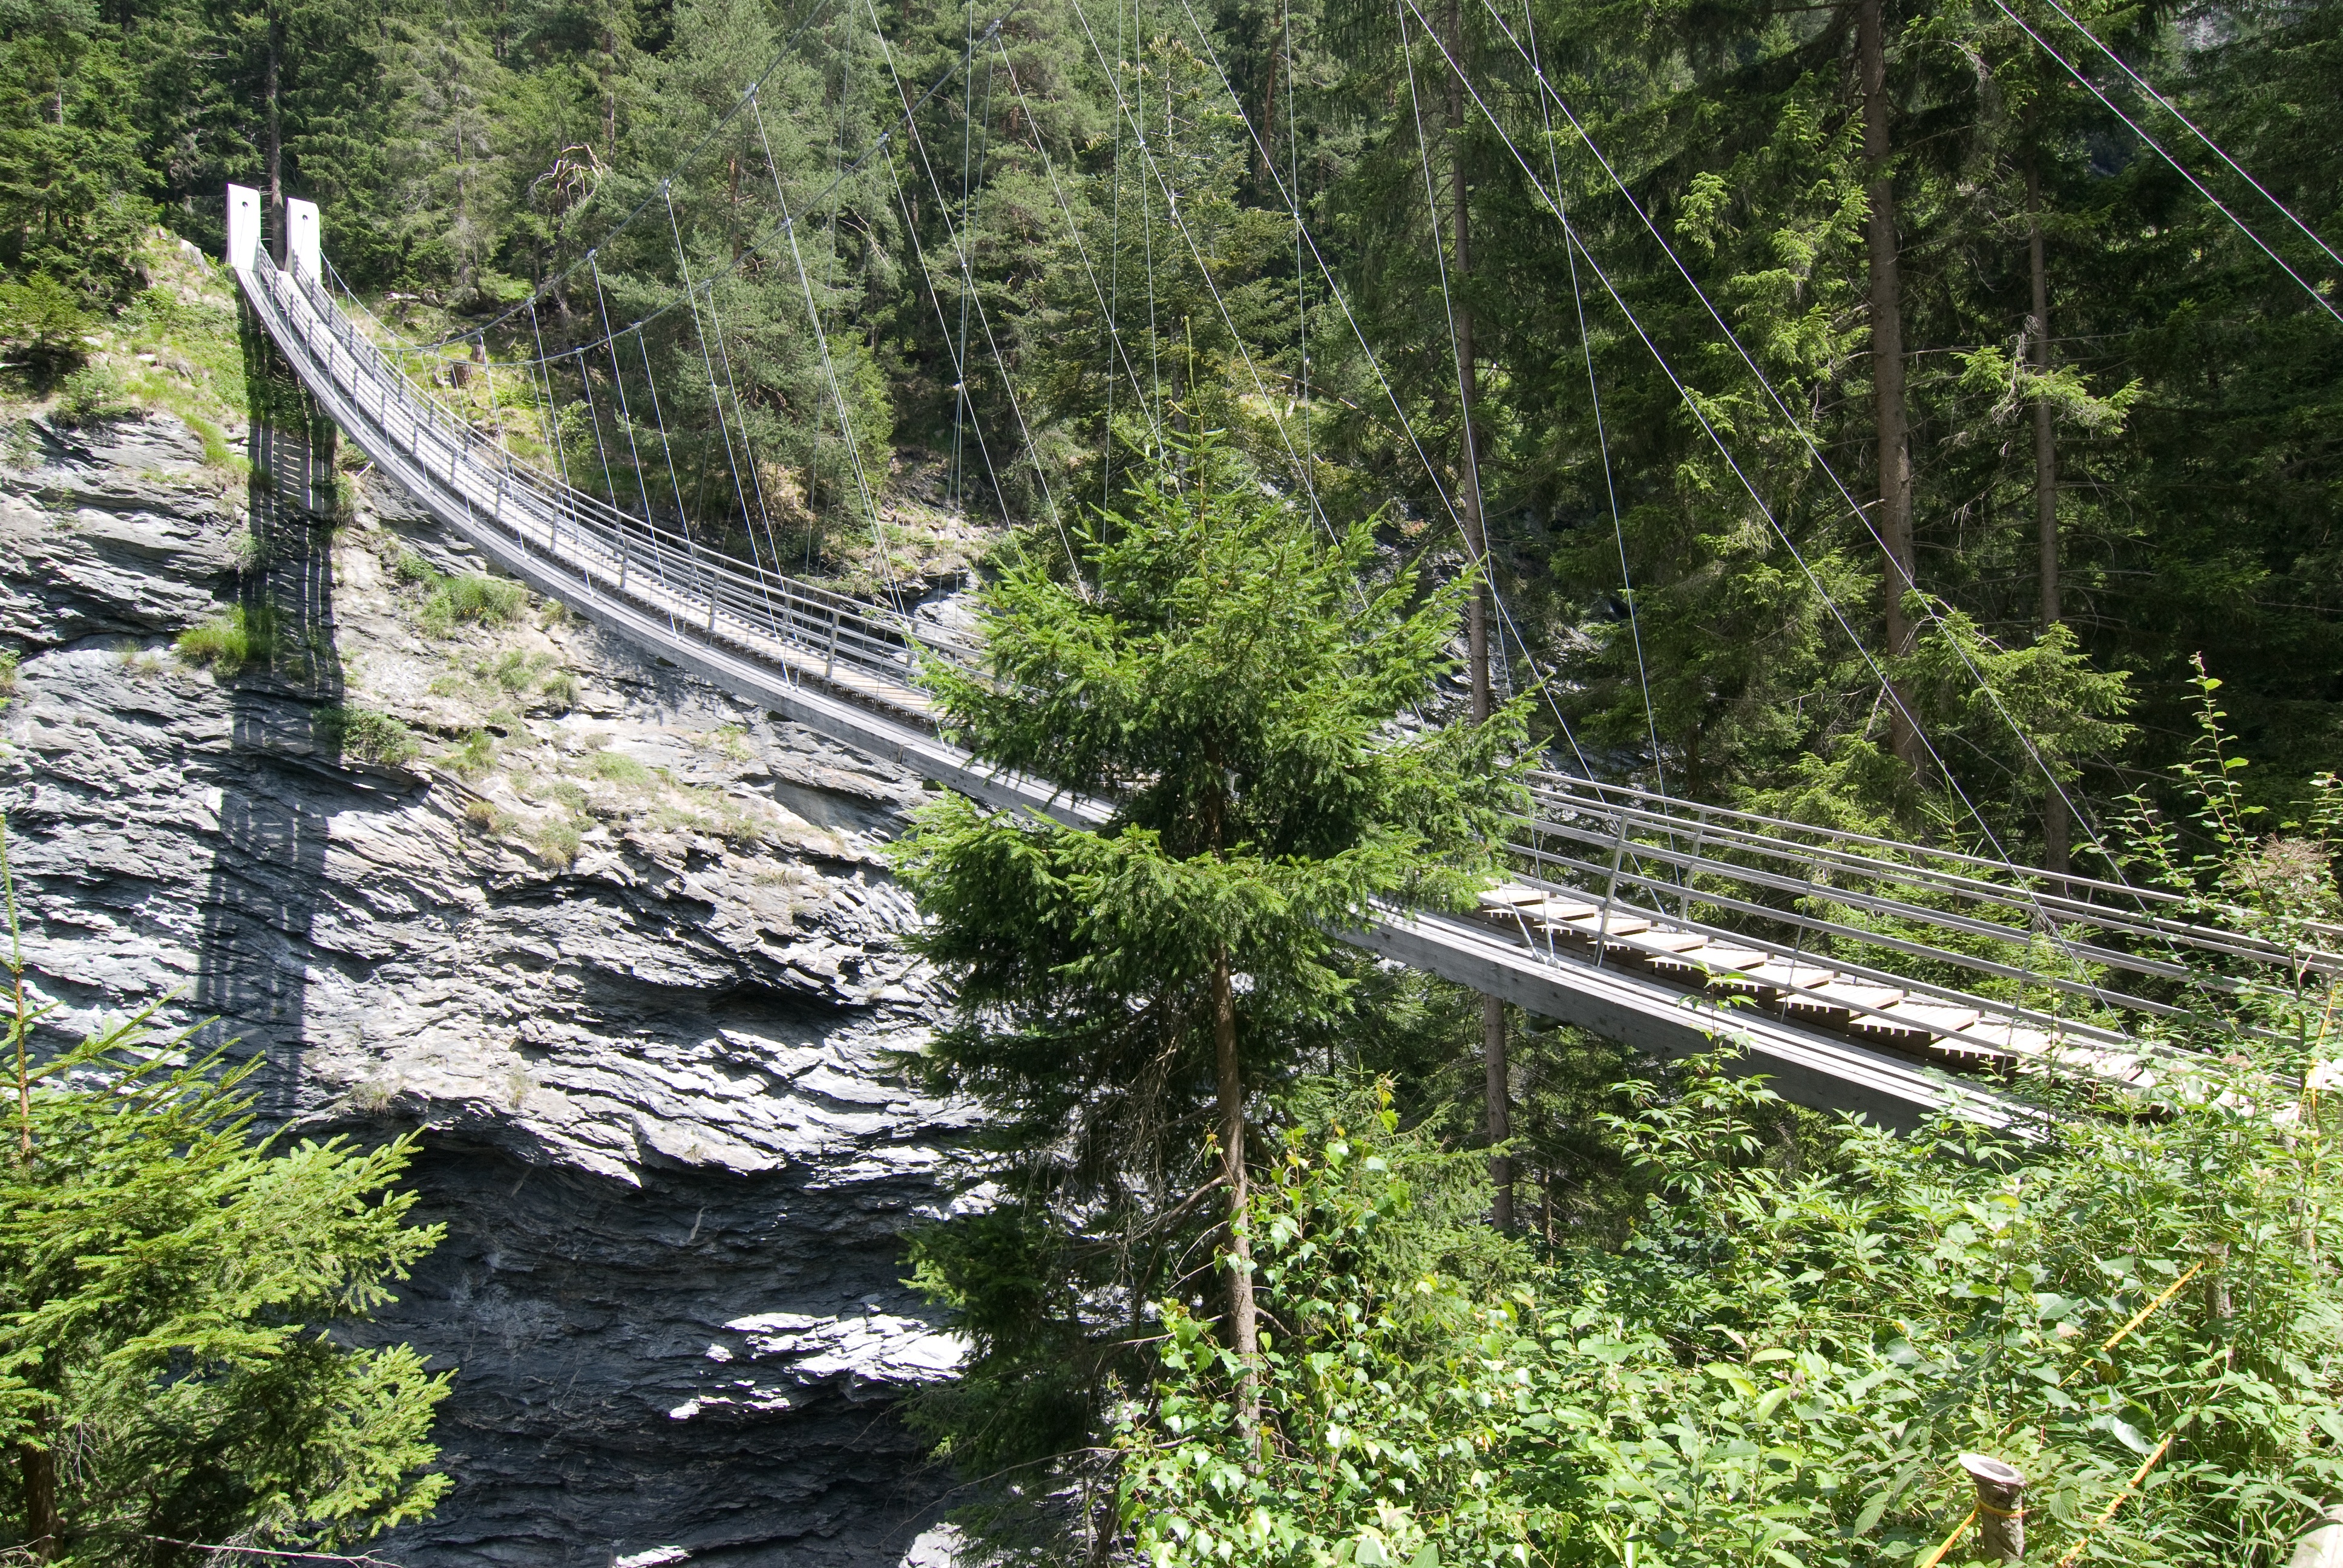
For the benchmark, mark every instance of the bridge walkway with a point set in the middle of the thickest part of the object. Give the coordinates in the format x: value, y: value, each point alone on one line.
x: 1648, y: 920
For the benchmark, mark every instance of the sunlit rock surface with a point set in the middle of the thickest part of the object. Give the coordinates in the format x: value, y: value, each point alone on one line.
x: 653, y: 1067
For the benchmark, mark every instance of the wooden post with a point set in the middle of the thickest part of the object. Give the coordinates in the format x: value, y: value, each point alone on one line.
x: 2001, y: 1508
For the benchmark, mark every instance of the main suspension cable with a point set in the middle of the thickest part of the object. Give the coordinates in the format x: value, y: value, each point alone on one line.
x: 2181, y: 169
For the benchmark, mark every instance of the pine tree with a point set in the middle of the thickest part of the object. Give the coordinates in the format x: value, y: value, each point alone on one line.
x: 1219, y: 675
x: 173, y: 1297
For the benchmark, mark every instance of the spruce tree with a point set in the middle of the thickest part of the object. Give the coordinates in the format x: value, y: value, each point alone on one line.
x: 173, y: 1301
x: 1223, y: 679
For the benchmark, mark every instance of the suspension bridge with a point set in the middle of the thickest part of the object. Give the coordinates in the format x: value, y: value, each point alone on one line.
x: 1858, y: 973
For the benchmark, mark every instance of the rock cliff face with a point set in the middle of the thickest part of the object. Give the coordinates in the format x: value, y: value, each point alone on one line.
x: 627, y: 954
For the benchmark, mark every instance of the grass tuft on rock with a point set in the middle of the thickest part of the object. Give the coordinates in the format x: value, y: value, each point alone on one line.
x: 367, y: 735
x: 230, y: 640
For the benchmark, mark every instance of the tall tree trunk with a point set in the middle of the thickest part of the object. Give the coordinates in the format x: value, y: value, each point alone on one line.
x: 610, y: 89
x: 38, y: 1467
x: 1245, y: 1333
x: 2054, y: 828
x: 276, y: 147
x: 1894, y: 516
x: 1476, y: 543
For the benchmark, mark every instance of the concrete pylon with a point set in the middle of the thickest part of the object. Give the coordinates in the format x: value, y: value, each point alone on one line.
x: 301, y: 240
x: 243, y: 227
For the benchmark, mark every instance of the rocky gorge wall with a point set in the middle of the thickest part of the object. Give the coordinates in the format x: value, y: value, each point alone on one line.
x: 622, y: 948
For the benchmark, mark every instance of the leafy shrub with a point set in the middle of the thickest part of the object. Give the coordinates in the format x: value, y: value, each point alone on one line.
x: 230, y: 640
x: 367, y: 735
x: 414, y: 570
x: 483, y: 817
x: 92, y: 395
x: 1787, y: 1358
x: 7, y: 675
x: 560, y: 692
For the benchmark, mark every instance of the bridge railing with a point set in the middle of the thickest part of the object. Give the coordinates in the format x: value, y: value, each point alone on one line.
x: 2069, y: 955
x: 1910, y: 943
x: 831, y: 635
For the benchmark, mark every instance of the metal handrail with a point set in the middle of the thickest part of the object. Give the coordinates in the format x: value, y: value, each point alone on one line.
x: 1571, y: 797
x: 804, y: 631
x: 592, y: 539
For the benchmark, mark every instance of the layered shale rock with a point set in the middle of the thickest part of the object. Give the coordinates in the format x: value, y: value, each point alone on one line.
x: 623, y: 949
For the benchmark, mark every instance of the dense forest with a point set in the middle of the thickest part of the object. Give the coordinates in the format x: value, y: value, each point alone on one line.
x: 2102, y: 401
x: 1899, y: 417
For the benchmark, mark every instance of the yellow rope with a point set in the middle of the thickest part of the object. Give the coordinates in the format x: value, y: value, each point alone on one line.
x: 2075, y: 1551
x: 2141, y: 1316
x: 1938, y: 1554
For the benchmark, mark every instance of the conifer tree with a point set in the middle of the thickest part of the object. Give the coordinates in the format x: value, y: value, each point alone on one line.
x: 171, y: 1290
x: 1220, y: 677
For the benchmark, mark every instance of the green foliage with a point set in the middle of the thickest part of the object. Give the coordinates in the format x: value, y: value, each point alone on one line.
x: 617, y: 767
x: 173, y: 1294
x: 1785, y: 1357
x: 2237, y: 864
x: 46, y: 321
x: 92, y: 395
x: 1220, y: 676
x: 368, y: 735
x: 231, y: 640
x: 73, y: 203
x: 468, y: 598
x: 474, y: 758
x: 559, y: 842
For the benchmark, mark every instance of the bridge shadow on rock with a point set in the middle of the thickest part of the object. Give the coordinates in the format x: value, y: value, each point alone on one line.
x: 277, y: 782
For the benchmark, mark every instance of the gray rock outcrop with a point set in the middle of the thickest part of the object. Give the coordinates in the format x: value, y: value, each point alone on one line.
x: 629, y: 958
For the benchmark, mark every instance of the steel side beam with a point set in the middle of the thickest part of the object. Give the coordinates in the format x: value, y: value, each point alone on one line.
x: 1804, y: 1066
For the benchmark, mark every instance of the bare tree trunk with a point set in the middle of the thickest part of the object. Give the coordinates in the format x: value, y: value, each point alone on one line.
x: 610, y: 89
x: 1245, y: 1333
x: 1476, y: 625
x: 276, y: 146
x: 43, y: 1527
x: 1894, y: 517
x: 2056, y: 855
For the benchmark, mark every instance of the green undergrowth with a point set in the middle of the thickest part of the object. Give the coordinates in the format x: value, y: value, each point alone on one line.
x: 368, y: 735
x: 175, y: 348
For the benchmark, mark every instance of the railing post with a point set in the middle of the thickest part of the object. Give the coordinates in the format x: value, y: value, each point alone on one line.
x: 1798, y: 943
x: 830, y: 659
x: 1699, y: 840
x: 2000, y: 1507
x: 1611, y: 888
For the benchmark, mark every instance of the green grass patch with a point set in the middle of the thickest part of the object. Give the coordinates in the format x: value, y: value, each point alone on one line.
x: 559, y: 842
x: 471, y: 599
x: 475, y: 755
x: 615, y: 767
x: 230, y: 640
